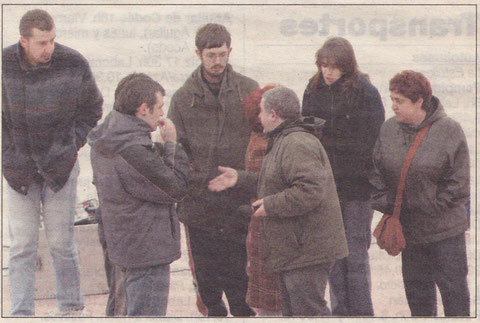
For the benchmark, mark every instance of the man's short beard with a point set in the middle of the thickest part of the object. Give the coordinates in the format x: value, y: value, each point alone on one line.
x: 218, y: 76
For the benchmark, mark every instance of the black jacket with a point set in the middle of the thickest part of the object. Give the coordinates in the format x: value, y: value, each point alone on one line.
x: 351, y: 128
x: 47, y: 112
x: 138, y: 183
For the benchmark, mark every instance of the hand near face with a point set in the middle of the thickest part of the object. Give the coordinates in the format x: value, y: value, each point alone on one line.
x: 228, y: 178
x: 167, y: 130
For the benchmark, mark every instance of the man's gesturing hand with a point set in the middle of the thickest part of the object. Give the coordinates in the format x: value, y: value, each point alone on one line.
x: 228, y: 178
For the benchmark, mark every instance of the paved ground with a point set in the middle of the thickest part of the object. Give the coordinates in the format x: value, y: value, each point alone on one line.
x: 387, y: 288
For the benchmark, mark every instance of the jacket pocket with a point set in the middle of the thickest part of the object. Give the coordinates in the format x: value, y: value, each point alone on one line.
x: 283, y: 239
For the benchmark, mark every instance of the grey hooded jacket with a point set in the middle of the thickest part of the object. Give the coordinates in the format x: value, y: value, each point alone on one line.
x: 138, y: 183
x: 437, y: 185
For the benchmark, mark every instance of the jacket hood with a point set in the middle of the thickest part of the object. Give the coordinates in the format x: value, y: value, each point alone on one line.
x: 309, y: 124
x: 117, y: 132
x: 435, y: 112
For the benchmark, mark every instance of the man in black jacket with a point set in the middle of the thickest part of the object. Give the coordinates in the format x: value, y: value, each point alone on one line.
x: 50, y: 102
x: 138, y: 183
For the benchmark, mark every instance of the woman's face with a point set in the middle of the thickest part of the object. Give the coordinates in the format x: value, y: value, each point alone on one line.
x: 331, y: 73
x: 407, y: 111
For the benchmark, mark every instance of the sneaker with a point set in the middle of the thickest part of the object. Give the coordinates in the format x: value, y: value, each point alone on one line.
x: 78, y: 312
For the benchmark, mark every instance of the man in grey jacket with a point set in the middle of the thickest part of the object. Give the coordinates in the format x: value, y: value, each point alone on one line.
x: 303, y: 233
x: 138, y: 183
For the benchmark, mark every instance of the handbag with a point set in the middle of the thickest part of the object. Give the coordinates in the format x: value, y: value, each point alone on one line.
x: 388, y: 231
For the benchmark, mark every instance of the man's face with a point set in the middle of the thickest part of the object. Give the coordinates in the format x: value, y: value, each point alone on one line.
x: 153, y: 115
x: 39, y: 47
x: 266, y: 118
x: 214, y: 60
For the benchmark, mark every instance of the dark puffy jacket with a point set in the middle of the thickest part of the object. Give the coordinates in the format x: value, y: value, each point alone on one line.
x: 138, y: 183
x: 214, y: 131
x: 350, y: 131
x: 304, y: 225
x: 47, y: 112
x: 437, y: 188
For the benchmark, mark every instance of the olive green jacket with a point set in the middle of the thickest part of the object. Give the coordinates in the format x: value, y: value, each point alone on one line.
x: 304, y: 225
x: 215, y: 132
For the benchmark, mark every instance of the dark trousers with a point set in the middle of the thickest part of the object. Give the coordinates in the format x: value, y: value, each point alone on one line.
x: 442, y: 263
x: 116, y: 303
x: 220, y: 266
x: 350, y: 283
x: 303, y: 291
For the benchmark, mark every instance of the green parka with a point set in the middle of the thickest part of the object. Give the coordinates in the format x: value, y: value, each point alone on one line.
x: 215, y: 132
x: 304, y: 225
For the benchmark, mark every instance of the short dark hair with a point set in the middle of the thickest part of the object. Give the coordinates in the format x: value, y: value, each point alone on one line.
x: 283, y: 101
x: 413, y: 85
x: 134, y: 90
x: 35, y: 18
x: 212, y: 36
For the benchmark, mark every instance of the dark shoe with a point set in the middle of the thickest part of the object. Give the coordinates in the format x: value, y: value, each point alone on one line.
x: 243, y: 311
x: 217, y: 310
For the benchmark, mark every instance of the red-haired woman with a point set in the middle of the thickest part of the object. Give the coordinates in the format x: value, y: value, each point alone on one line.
x: 437, y: 188
x: 352, y: 108
x: 263, y: 288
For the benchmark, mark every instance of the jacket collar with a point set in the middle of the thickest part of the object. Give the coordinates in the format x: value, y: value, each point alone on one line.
x: 25, y: 64
x: 335, y: 86
x: 435, y: 112
x: 309, y: 124
x: 197, y: 85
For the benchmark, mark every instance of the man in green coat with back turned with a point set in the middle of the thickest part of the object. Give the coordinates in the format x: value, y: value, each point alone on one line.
x: 302, y: 223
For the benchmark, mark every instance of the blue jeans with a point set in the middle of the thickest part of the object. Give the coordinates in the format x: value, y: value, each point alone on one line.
x: 58, y: 211
x: 350, y: 282
x: 147, y: 290
x: 444, y: 264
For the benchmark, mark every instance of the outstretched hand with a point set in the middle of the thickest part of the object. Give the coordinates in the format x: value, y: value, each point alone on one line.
x: 228, y: 178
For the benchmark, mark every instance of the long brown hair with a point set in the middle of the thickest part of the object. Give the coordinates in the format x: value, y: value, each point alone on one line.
x: 339, y: 52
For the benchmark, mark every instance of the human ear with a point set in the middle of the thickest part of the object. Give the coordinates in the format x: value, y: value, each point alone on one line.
x: 23, y: 41
x: 142, y: 109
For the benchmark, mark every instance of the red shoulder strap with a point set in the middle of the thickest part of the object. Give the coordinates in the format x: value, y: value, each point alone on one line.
x: 403, y: 175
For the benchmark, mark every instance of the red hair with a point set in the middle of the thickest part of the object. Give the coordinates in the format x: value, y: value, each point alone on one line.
x: 251, y: 105
x: 413, y: 85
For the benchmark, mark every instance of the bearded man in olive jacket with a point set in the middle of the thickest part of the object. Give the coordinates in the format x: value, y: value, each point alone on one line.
x: 212, y: 126
x: 303, y: 230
